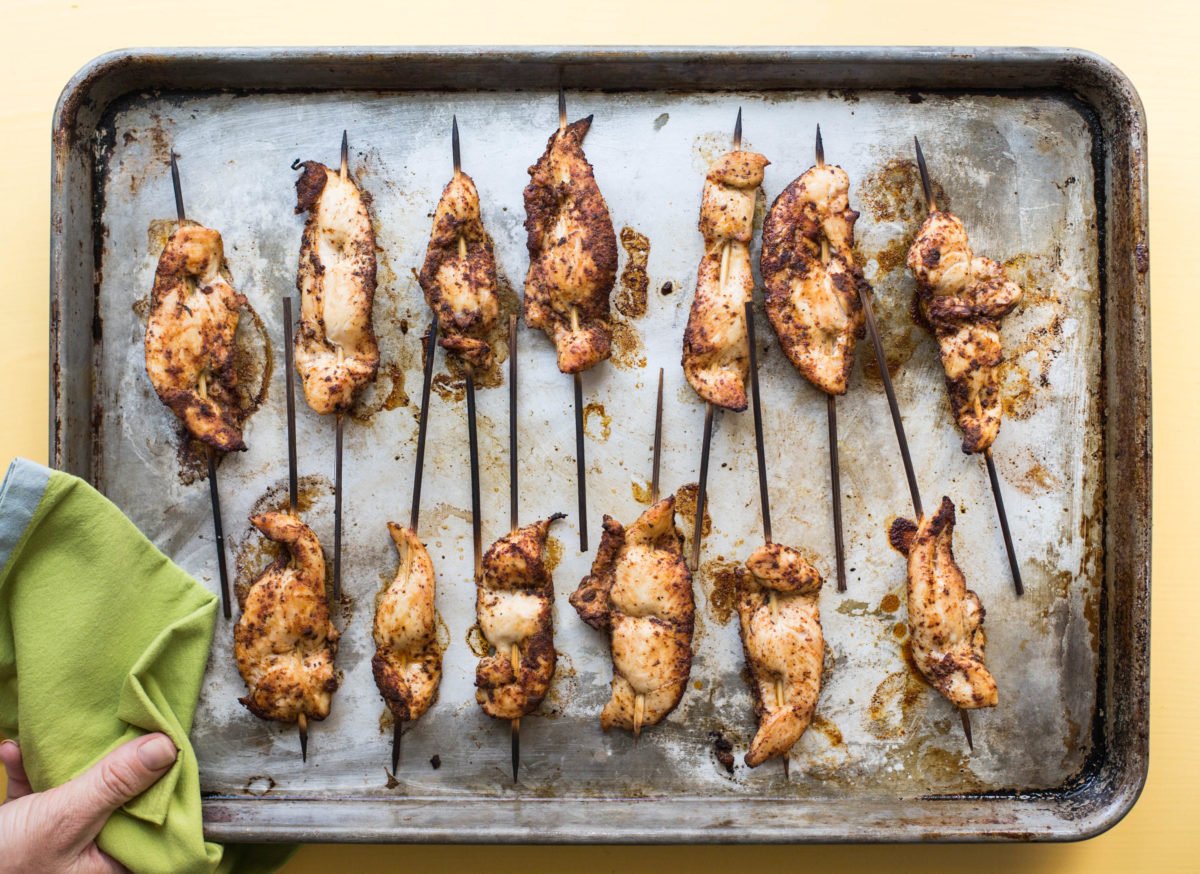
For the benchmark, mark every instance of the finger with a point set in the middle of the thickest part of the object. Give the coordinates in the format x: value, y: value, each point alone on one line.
x: 119, y: 777
x: 14, y: 767
x: 93, y: 860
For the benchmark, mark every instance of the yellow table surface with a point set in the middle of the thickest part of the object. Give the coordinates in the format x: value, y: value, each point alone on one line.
x: 1154, y: 42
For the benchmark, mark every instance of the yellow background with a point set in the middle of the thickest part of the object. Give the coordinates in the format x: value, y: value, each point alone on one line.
x: 1154, y: 42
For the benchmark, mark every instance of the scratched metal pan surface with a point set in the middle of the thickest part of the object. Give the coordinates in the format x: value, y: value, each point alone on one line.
x: 1041, y: 152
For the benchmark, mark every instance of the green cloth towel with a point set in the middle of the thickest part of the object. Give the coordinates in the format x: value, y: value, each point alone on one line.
x: 102, y: 639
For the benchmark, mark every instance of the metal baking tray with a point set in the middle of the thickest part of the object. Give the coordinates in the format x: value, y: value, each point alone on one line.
x: 1042, y: 151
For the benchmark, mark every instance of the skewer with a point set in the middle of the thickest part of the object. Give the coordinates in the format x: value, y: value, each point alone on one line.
x: 577, y: 383
x: 293, y: 479
x: 214, y: 492
x: 423, y: 424
x: 337, y: 508
x: 515, y: 653
x: 290, y: 369
x: 706, y: 442
x: 639, y: 701
x: 415, y: 514
x: 835, y: 472
x: 473, y: 445
x: 1013, y: 564
x: 344, y: 172
x: 764, y: 493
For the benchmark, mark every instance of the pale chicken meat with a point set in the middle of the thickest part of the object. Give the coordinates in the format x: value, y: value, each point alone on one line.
x: 780, y: 621
x: 336, y: 351
x: 191, y: 357
x: 715, y: 347
x: 514, y: 605
x: 963, y: 297
x: 811, y: 279
x: 284, y: 643
x: 945, y: 618
x: 459, y: 274
x: 572, y: 252
x: 640, y: 592
x: 408, y: 658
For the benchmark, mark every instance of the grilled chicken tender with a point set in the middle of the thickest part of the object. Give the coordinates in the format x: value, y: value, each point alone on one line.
x: 190, y: 353
x: 459, y: 281
x: 513, y: 603
x: 572, y: 252
x: 963, y: 297
x: 716, y: 358
x: 945, y: 618
x: 640, y: 592
x: 814, y: 306
x: 284, y: 642
x: 780, y: 621
x: 336, y: 352
x: 408, y: 660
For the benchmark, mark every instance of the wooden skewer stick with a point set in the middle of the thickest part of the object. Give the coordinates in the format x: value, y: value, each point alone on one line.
x: 293, y: 478
x: 764, y: 493
x: 415, y: 513
x: 639, y: 701
x: 337, y: 507
x: 835, y: 471
x: 993, y: 477
x: 577, y: 384
x: 344, y: 167
x: 513, y: 505
x: 214, y: 492
x: 289, y: 355
x: 709, y: 409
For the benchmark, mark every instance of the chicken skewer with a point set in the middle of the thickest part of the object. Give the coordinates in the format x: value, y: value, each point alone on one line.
x: 336, y: 350
x: 715, y: 354
x: 514, y: 605
x: 572, y: 267
x: 963, y: 296
x: 407, y: 664
x: 640, y: 592
x: 812, y: 295
x: 459, y: 282
x: 779, y: 619
x: 190, y: 353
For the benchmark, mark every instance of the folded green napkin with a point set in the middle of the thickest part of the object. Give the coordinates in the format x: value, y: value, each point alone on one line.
x: 102, y: 639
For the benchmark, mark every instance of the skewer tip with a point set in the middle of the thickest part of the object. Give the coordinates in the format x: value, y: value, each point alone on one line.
x: 787, y: 768
x: 345, y: 161
x: 516, y: 748
x: 926, y: 185
x: 397, y: 733
x: 455, y: 146
x: 562, y: 104
x: 966, y: 724
x: 177, y: 187
x: 737, y: 130
x: 820, y: 148
x: 302, y: 725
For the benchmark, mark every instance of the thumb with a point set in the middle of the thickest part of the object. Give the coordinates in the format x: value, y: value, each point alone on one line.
x: 119, y: 777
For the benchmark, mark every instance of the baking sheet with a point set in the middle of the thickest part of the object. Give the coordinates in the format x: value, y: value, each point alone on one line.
x: 1019, y: 172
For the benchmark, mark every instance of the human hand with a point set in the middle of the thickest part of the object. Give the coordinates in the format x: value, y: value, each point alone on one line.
x: 55, y: 831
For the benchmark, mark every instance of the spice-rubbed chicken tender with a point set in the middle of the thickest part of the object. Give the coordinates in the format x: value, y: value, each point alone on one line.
x: 572, y: 252
x: 284, y: 642
x: 513, y: 603
x: 945, y: 618
x: 963, y: 297
x: 780, y: 622
x: 640, y: 591
x: 459, y: 275
x: 715, y: 353
x: 190, y: 352
x: 813, y: 305
x: 408, y: 659
x: 336, y: 352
